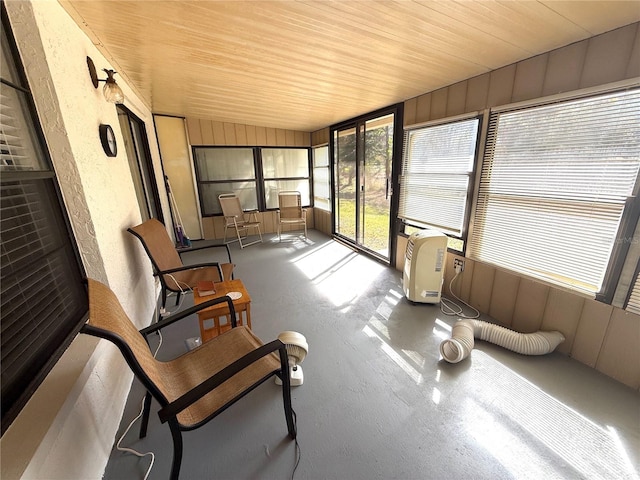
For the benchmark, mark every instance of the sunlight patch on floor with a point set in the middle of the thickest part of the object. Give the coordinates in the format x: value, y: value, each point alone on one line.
x: 588, y: 448
x: 339, y: 273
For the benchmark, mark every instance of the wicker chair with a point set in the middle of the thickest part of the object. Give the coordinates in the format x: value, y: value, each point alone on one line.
x: 290, y: 211
x: 167, y: 262
x: 198, y: 385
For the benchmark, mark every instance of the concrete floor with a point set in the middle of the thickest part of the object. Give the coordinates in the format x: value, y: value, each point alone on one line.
x: 378, y: 403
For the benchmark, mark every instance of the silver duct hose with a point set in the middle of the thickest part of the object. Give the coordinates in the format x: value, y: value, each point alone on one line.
x: 459, y: 346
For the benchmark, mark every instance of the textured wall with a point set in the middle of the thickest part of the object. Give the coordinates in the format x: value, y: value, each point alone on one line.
x: 67, y: 428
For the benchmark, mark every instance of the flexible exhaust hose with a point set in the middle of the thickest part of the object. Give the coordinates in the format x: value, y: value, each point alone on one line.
x: 459, y: 346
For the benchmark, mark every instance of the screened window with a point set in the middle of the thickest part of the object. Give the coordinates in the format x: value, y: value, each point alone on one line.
x: 436, y: 176
x: 321, y: 180
x: 556, y: 182
x: 285, y: 169
x: 225, y: 170
x: 42, y: 298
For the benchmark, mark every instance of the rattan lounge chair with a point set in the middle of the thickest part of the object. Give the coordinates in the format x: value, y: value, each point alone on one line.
x: 198, y: 385
x: 167, y: 261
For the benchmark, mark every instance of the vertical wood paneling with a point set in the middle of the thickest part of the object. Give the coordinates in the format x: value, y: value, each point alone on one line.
x: 218, y: 133
x: 600, y: 66
x: 261, y: 134
x: 529, y: 307
x: 439, y: 104
x: 207, y: 132
x: 281, y: 137
x: 302, y: 139
x: 193, y: 131
x: 562, y: 313
x: 620, y: 355
x: 529, y: 78
x: 271, y: 140
x: 229, y: 133
x: 477, y: 91
x: 482, y: 286
x: 501, y: 86
x: 456, y: 98
x: 467, y: 280
x: 564, y: 69
x: 423, y: 108
x: 207, y: 228
x: 241, y: 134
x: 410, y: 108
x: 290, y: 138
x: 320, y: 137
x: 252, y: 138
x: 590, y: 333
x: 503, y: 296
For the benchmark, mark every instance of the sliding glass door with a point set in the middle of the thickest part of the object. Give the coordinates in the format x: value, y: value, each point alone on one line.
x: 363, y: 155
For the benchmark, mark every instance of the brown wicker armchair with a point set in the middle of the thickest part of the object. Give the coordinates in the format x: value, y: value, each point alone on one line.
x: 167, y: 262
x: 197, y: 386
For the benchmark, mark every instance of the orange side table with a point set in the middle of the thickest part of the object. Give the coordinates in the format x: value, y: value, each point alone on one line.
x: 209, y: 318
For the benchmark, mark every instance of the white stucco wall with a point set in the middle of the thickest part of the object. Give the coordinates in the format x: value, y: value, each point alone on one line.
x: 68, y: 427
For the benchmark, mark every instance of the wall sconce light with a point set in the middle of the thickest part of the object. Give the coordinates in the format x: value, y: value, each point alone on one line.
x: 112, y: 92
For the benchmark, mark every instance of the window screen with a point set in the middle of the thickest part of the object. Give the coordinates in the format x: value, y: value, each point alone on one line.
x: 436, y: 172
x: 554, y: 185
x: 321, y: 188
x: 285, y: 169
x: 225, y: 170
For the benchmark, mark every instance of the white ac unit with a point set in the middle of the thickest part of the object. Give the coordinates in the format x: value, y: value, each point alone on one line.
x: 424, y: 266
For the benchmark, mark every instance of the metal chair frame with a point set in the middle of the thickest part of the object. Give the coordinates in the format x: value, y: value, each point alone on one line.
x: 169, y: 411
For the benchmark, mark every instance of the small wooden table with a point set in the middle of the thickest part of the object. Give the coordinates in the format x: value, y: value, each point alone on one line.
x: 209, y: 318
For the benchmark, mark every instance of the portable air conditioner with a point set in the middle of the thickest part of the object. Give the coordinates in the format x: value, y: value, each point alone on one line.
x: 424, y: 266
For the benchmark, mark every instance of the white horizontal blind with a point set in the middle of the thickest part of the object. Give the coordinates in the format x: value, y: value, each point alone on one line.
x: 435, y: 175
x: 553, y: 187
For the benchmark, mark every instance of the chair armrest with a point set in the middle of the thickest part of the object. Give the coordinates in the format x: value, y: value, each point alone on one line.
x: 190, y: 311
x: 195, y: 249
x: 172, y: 409
x: 191, y: 267
x: 186, y: 267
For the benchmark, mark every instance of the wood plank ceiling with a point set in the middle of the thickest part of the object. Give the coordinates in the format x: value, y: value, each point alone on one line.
x: 304, y: 65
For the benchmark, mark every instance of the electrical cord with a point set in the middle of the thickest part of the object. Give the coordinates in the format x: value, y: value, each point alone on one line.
x: 170, y: 312
x: 131, y: 450
x: 298, y: 451
x: 451, y: 308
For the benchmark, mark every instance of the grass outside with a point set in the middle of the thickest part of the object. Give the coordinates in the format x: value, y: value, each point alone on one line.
x: 376, y: 225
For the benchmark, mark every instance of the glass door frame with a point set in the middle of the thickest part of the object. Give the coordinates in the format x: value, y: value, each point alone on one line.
x: 398, y: 133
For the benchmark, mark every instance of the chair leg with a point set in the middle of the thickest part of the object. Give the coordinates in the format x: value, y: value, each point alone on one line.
x: 286, y: 393
x: 178, y: 298
x: 176, y: 434
x: 145, y: 415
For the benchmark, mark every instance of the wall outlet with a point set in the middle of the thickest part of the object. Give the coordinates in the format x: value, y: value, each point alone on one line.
x: 458, y: 264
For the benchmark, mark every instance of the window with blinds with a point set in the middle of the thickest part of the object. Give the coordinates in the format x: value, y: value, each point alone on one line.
x: 42, y: 298
x: 633, y: 303
x: 436, y: 175
x: 321, y: 178
x: 555, y: 183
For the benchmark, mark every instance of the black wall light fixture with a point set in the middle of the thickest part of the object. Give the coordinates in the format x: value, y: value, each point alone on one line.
x: 112, y: 92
